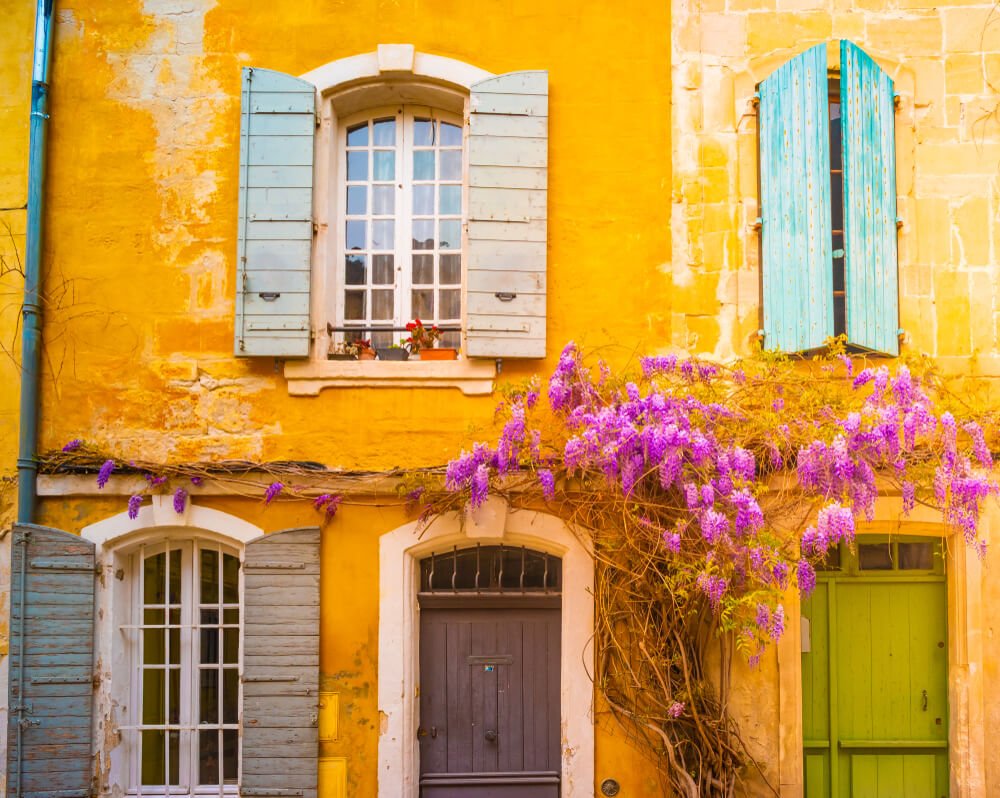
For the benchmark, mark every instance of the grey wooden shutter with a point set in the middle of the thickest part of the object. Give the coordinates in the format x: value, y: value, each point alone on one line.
x: 278, y: 122
x: 796, y: 245
x: 508, y: 195
x: 281, y: 664
x: 868, y: 133
x: 51, y: 673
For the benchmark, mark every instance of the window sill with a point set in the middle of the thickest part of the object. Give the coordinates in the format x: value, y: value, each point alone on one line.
x: 309, y: 377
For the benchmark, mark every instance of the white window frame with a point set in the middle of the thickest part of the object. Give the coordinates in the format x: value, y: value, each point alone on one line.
x: 405, y: 116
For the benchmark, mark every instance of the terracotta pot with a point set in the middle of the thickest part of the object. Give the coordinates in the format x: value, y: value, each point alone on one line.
x: 368, y: 354
x: 439, y: 354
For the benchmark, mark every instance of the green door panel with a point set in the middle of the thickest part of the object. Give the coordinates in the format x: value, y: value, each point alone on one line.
x: 895, y: 776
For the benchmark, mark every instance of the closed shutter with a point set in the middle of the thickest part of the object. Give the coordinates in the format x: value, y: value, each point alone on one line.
x: 278, y: 121
x: 796, y: 245
x: 281, y: 664
x: 51, y: 664
x: 508, y: 196
x: 869, y: 139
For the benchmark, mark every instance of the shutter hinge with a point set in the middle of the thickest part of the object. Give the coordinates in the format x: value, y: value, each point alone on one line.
x: 315, y: 227
x: 899, y: 222
x: 756, y: 225
x: 896, y: 100
x: 761, y: 334
x: 900, y: 333
x: 755, y: 100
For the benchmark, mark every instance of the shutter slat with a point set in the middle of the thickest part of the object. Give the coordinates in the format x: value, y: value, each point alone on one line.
x: 796, y: 248
x: 277, y: 127
x: 51, y: 663
x: 870, y: 233
x: 507, y: 216
x: 281, y: 663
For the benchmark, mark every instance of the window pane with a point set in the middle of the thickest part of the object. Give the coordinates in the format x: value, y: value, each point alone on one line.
x: 451, y: 340
x: 385, y: 165
x: 354, y: 305
x: 383, y: 234
x: 154, y: 578
x: 230, y: 579
x: 450, y: 200
x: 230, y: 695
x: 451, y: 135
x: 174, y: 638
x: 916, y: 556
x: 423, y: 200
x: 423, y: 165
x: 423, y: 303
x: 423, y: 132
x: 357, y: 165
x: 383, y: 306
x: 451, y: 269
x: 153, y: 652
x: 231, y: 615
x: 835, y: 140
x: 153, y: 616
x: 174, y: 700
x: 174, y: 616
x: 423, y: 269
x: 875, y: 557
x: 209, y: 617
x: 231, y: 645
x: 209, y: 577
x: 382, y: 270
x: 154, y: 696
x: 354, y: 269
x: 383, y: 200
x: 154, y: 763
x: 356, y: 237
x: 208, y: 757
x: 423, y: 234
x: 174, y: 743
x: 385, y: 132
x: 451, y: 304
x: 209, y: 646
x: 230, y: 755
x: 208, y: 696
x: 451, y: 165
x: 357, y: 197
x: 357, y: 136
x: 451, y: 234
x: 175, y: 576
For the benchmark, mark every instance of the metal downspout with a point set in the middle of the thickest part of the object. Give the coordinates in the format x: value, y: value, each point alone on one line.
x: 31, y: 310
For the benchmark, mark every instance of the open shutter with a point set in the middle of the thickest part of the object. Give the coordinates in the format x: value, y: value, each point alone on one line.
x: 795, y: 204
x: 508, y: 194
x: 281, y: 664
x: 869, y: 139
x: 51, y: 664
x: 278, y: 121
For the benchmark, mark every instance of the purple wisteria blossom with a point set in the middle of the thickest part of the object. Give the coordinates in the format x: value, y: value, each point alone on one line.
x: 676, y: 709
x: 180, y: 500
x: 548, y: 483
x: 73, y: 445
x: 134, y: 503
x: 272, y: 492
x: 105, y: 473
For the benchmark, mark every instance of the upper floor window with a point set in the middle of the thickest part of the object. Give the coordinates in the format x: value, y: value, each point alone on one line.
x: 828, y: 203
x: 400, y: 192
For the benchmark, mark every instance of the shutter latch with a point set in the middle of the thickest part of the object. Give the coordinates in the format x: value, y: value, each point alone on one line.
x: 506, y: 296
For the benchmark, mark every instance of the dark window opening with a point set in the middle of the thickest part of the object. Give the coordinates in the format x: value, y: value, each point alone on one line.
x: 837, y: 212
x: 491, y: 569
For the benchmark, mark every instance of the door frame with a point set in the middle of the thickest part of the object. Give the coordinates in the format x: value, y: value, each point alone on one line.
x: 967, y: 711
x: 400, y: 552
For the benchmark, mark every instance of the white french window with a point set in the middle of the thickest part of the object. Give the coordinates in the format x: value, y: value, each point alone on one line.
x: 185, y: 653
x: 400, y: 201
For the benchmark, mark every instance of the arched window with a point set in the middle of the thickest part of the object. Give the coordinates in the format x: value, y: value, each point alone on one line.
x: 491, y: 569
x: 400, y: 226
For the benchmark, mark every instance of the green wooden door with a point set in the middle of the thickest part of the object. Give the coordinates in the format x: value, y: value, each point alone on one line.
x: 875, y: 674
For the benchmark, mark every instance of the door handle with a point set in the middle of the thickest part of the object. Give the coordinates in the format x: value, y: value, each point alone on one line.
x: 422, y: 732
x: 491, y: 735
x: 924, y: 700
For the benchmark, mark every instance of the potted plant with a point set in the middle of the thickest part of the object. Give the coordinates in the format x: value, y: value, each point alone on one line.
x: 422, y: 339
x: 393, y: 353
x: 342, y: 350
x: 365, y: 349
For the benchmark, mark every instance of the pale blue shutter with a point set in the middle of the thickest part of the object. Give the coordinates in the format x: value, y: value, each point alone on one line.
x: 796, y: 249
x: 281, y: 665
x: 278, y: 121
x: 51, y: 658
x: 508, y: 206
x: 868, y: 135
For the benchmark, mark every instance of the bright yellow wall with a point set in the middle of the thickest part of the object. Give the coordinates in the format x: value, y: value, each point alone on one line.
x: 142, y: 214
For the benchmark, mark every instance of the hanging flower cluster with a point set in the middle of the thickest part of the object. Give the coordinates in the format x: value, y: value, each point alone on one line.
x: 728, y: 466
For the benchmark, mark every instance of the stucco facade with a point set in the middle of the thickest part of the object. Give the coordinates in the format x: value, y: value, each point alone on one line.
x: 652, y: 197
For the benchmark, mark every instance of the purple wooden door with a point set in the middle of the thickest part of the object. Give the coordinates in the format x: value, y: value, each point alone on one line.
x: 489, y: 699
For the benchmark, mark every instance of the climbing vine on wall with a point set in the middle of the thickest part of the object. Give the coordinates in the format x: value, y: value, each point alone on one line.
x: 705, y: 493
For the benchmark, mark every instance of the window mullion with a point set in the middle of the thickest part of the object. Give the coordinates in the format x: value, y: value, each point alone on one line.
x: 189, y: 692
x: 405, y: 227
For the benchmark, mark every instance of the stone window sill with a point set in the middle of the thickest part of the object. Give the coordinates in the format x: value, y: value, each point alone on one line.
x: 309, y: 377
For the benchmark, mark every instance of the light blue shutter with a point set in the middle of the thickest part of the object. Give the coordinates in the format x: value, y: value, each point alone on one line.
x: 278, y: 121
x: 795, y: 204
x: 51, y: 674
x: 868, y: 134
x: 508, y: 205
x: 281, y: 665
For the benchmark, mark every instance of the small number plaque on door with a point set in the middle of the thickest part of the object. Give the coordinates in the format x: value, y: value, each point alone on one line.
x: 490, y: 660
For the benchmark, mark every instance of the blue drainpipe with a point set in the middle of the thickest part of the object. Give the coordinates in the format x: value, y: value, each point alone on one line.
x: 31, y: 310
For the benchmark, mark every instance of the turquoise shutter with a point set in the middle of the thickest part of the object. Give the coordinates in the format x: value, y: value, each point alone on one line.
x: 796, y: 248
x: 281, y: 665
x: 278, y: 122
x: 508, y: 207
x: 869, y: 139
x: 51, y: 676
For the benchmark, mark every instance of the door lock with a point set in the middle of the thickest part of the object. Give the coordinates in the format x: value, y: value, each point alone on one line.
x: 925, y: 700
x: 491, y: 735
x: 422, y: 732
